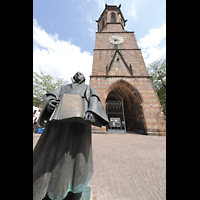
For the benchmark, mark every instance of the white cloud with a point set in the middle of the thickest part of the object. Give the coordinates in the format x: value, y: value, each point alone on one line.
x: 89, y: 18
x: 92, y: 32
x: 154, y: 37
x: 149, y: 45
x: 101, y: 4
x: 132, y: 12
x: 59, y: 58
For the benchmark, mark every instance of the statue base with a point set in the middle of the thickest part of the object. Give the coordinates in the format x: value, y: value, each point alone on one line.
x: 85, y: 195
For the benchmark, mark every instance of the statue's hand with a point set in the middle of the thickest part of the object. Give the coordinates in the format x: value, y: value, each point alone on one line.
x: 52, y: 104
x: 89, y: 117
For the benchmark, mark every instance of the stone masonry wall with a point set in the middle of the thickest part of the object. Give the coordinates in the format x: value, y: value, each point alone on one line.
x: 128, y: 54
x: 154, y: 119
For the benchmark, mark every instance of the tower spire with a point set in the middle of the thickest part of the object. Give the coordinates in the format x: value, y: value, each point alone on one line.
x: 111, y: 15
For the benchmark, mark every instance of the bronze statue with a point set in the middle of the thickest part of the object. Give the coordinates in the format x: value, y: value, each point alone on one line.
x: 62, y: 158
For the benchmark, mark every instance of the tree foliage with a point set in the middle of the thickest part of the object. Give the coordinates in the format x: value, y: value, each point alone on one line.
x: 42, y: 84
x: 157, y: 70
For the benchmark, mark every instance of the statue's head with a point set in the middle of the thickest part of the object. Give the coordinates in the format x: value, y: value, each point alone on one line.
x: 79, y: 77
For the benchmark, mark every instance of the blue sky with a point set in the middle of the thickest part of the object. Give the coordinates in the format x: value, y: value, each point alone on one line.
x: 64, y: 32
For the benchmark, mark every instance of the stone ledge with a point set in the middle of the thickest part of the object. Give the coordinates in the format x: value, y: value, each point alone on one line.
x: 99, y: 132
x: 157, y: 133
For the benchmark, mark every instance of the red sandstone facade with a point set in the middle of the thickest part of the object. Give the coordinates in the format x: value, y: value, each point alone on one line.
x: 119, y: 71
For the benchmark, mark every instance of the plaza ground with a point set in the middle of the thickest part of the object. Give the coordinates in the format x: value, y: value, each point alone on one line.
x: 127, y: 167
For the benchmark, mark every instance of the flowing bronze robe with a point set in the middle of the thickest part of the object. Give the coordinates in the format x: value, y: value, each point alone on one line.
x: 62, y: 158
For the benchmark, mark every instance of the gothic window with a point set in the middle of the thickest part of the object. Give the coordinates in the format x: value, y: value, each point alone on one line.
x: 113, y: 17
x: 122, y: 22
x: 103, y: 23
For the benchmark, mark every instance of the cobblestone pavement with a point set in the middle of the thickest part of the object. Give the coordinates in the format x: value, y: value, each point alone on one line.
x: 127, y: 167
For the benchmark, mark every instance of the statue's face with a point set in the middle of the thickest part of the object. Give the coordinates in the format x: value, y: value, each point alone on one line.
x: 78, y: 77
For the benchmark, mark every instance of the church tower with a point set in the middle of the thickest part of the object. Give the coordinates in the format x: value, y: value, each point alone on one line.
x: 121, y: 79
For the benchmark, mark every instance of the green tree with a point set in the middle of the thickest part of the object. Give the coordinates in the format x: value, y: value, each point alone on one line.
x: 42, y: 84
x: 157, y: 70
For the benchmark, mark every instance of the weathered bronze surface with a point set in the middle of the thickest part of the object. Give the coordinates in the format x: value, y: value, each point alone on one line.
x: 62, y: 157
x: 71, y: 106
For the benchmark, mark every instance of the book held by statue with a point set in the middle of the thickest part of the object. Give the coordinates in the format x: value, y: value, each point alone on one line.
x: 70, y: 109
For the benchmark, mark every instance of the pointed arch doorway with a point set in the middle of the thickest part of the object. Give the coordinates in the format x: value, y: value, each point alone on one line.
x: 124, y: 110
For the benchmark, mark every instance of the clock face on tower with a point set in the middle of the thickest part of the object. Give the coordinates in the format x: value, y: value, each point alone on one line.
x: 115, y: 39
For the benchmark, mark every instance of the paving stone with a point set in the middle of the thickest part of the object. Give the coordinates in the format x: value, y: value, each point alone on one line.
x: 127, y: 166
